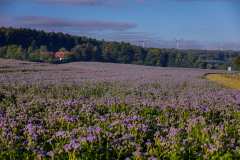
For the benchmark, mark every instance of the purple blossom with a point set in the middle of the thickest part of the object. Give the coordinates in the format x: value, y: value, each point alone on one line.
x: 173, y: 132
x: 71, y: 102
x: 73, y: 145
x: 130, y: 126
x: 50, y: 154
x: 69, y: 118
x: 148, y: 143
x: 31, y: 130
x: 237, y: 99
x: 152, y: 158
x: 60, y: 134
x: 82, y: 139
x: 91, y: 138
x: 175, y: 104
x: 98, y: 130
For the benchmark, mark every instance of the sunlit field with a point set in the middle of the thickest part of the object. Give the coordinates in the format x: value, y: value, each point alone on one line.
x: 115, y: 111
x: 227, y: 80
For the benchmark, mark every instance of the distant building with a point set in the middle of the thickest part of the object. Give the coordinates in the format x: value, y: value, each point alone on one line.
x: 229, y: 69
x: 60, y: 55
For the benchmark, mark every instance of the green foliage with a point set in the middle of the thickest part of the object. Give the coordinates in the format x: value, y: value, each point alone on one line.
x: 14, y: 51
x: 237, y: 62
x: 40, y: 46
x: 3, y: 51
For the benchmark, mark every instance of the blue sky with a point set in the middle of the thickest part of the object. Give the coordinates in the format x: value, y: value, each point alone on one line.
x: 195, y: 23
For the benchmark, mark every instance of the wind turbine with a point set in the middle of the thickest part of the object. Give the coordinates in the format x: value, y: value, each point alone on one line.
x: 177, y: 43
x: 142, y: 43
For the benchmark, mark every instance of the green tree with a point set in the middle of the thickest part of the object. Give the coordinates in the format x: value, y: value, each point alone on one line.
x: 3, y: 51
x: 153, y: 57
x: 43, y: 48
x: 237, y: 62
x: 14, y: 51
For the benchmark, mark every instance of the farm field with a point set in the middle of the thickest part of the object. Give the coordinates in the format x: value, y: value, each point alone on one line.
x: 227, y: 80
x: 90, y: 110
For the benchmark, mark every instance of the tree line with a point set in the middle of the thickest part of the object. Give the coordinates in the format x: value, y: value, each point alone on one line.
x: 41, y: 46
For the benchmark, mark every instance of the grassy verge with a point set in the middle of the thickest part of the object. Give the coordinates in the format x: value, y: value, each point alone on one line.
x: 227, y: 80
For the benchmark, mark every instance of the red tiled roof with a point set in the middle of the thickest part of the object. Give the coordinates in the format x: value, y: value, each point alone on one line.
x: 59, y: 54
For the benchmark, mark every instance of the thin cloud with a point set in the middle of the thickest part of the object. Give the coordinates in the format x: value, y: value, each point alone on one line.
x: 74, y: 2
x: 48, y: 22
x: 88, y: 2
x: 7, y: 3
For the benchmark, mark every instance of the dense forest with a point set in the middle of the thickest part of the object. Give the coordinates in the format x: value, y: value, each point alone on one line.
x: 41, y: 46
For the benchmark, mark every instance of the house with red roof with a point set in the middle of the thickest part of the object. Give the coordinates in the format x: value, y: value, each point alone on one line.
x: 60, y: 55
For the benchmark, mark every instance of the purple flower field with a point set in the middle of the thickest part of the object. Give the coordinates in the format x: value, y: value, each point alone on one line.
x: 115, y: 111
